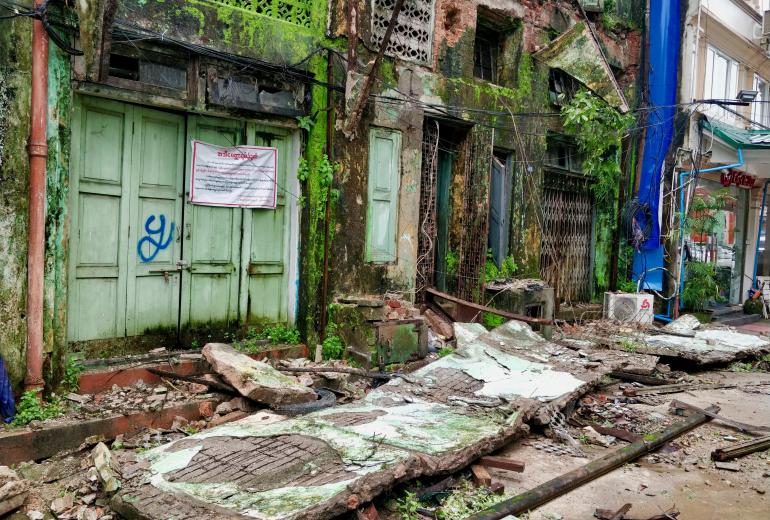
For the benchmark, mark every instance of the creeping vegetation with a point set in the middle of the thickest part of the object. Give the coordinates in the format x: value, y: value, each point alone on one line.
x: 30, y: 408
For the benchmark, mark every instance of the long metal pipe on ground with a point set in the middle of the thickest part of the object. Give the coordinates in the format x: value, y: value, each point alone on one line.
x: 38, y: 151
x: 562, y: 484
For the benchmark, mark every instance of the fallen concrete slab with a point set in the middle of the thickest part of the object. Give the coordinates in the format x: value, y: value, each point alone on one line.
x: 438, y: 419
x: 707, y: 346
x: 255, y: 379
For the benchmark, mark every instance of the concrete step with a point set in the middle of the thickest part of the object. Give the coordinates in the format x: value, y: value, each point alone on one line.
x: 721, y: 310
x: 737, y: 319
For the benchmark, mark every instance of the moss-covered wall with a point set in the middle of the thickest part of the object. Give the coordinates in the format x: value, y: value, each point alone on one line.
x: 449, y: 84
x: 15, y: 67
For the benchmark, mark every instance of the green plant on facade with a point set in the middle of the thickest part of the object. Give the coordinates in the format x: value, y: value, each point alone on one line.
x: 332, y: 348
x: 72, y: 369
x: 452, y: 261
x: 700, y: 285
x: 506, y: 270
x: 598, y: 130
x: 31, y: 408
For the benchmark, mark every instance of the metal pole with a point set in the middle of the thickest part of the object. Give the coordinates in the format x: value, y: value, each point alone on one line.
x: 38, y: 151
x: 329, y: 146
x: 558, y: 486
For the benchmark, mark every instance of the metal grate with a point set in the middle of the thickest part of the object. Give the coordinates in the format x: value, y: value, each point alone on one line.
x: 426, y: 241
x: 413, y: 35
x: 473, y: 241
x: 292, y: 11
x: 567, y: 232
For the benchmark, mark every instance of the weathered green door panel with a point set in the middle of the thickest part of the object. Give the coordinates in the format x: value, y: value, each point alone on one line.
x: 211, y: 239
x: 499, y: 209
x: 443, y: 183
x: 384, y: 178
x: 266, y: 239
x: 156, y: 217
x: 101, y: 156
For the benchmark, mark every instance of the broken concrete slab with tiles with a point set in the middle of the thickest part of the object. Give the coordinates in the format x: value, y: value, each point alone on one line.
x: 438, y: 419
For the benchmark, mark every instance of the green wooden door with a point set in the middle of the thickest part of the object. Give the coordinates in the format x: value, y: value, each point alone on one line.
x: 99, y: 191
x: 128, y: 170
x: 212, y: 240
x: 266, y: 242
x: 142, y: 259
x: 155, y: 248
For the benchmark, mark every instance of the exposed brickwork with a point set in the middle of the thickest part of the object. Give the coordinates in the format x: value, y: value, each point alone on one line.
x: 262, y: 463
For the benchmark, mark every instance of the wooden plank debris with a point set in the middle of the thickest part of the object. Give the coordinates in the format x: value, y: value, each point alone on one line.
x: 481, y: 476
x: 501, y: 463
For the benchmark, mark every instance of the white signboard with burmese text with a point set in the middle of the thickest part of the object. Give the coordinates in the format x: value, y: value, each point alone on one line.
x: 237, y: 176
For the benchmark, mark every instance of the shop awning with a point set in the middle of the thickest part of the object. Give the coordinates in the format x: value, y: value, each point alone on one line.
x: 726, y: 141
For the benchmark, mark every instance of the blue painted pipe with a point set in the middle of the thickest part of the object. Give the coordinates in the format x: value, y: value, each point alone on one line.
x: 759, y: 236
x: 682, y: 214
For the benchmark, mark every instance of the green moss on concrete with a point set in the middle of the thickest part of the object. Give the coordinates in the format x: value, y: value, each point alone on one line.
x: 15, y: 69
x: 57, y: 194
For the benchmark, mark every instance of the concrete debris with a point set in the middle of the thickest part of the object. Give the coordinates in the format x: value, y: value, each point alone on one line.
x: 439, y: 324
x: 102, y: 460
x: 404, y: 429
x: 13, y: 490
x: 683, y: 326
x: 254, y: 379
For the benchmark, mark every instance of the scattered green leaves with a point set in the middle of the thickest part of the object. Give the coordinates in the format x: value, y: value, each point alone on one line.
x: 629, y: 346
x: 31, y: 408
x: 445, y: 351
x: 407, y: 506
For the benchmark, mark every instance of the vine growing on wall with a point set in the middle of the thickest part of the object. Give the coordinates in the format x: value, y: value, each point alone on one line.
x: 598, y: 130
x: 325, y: 170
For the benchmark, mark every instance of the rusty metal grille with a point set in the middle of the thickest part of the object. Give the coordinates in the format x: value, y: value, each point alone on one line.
x: 568, y: 233
x: 426, y: 241
x: 473, y: 240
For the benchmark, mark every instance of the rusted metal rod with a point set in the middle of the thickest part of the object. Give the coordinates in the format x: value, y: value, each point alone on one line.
x: 219, y: 387
x: 741, y: 449
x: 38, y: 152
x: 491, y: 310
x: 747, y: 428
x: 562, y: 484
x: 354, y: 371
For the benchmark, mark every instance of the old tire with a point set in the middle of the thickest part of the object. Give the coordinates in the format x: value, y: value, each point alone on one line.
x: 326, y: 399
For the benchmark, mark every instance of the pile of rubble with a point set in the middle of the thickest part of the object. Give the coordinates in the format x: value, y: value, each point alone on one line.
x: 302, y: 439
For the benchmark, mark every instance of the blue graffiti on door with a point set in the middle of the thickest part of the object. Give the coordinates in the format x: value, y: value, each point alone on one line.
x: 155, y: 238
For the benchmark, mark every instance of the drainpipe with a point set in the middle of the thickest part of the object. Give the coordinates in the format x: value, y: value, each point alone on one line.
x: 683, y: 213
x: 38, y: 151
x: 759, y: 236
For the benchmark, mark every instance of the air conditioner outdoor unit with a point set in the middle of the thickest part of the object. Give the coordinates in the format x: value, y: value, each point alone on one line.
x: 628, y: 307
x: 593, y: 6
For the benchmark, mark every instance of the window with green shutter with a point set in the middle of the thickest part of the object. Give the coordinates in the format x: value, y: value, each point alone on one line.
x: 382, y: 211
